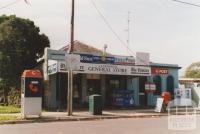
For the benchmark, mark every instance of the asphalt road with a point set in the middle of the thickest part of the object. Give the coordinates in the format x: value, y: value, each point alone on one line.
x: 114, y: 126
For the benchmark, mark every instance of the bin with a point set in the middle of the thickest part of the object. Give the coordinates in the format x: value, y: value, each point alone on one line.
x: 95, y: 104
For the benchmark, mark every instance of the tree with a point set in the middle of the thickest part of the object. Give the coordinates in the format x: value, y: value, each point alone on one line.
x: 193, y: 71
x: 21, y: 45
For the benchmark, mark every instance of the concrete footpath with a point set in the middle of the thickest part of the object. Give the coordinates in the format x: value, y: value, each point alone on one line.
x: 84, y: 115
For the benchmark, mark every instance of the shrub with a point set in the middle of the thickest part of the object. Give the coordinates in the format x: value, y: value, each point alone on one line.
x: 14, y: 97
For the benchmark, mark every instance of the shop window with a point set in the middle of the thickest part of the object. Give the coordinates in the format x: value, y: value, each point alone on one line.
x: 114, y: 84
x: 157, y: 81
x: 170, y: 84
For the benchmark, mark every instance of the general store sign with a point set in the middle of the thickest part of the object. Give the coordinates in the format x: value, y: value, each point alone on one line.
x: 101, y: 69
x: 114, y: 69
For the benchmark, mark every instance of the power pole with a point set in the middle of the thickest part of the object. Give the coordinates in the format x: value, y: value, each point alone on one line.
x: 72, y: 27
x: 70, y: 72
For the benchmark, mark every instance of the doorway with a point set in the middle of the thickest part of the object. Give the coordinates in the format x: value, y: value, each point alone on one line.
x: 61, y: 90
x: 170, y: 85
x: 94, y: 84
x: 142, y: 93
x: 114, y: 82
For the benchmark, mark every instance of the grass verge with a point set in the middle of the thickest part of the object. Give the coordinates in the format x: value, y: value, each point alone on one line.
x: 9, y: 109
x: 8, y: 118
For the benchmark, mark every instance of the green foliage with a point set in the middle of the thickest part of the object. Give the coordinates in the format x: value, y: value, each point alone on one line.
x: 193, y: 71
x: 9, y: 109
x: 8, y: 118
x: 14, y: 98
x: 21, y: 45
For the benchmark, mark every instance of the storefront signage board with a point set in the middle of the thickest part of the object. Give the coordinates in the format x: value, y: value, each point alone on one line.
x: 59, y: 55
x: 159, y: 104
x: 150, y: 87
x: 88, y: 68
x: 59, y: 66
x: 62, y: 67
x: 55, y: 54
x: 52, y: 69
x: 124, y: 60
x: 159, y: 70
x: 114, y: 59
x: 114, y: 69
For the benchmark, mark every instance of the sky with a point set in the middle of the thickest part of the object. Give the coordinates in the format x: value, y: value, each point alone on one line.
x: 168, y: 30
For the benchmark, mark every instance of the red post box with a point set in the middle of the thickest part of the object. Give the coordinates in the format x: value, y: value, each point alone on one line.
x: 166, y: 97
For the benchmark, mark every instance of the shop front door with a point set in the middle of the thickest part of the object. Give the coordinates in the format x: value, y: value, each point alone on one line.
x: 142, y: 93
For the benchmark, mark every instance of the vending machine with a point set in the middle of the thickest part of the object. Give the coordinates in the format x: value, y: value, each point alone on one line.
x: 183, y: 96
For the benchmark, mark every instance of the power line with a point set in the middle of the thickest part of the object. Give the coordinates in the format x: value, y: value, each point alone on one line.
x: 113, y: 31
x: 187, y: 3
x: 109, y: 26
x: 10, y: 4
x: 107, y: 23
x: 13, y: 3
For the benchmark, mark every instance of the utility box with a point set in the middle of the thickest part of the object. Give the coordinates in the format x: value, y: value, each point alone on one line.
x: 31, y: 93
x: 95, y: 104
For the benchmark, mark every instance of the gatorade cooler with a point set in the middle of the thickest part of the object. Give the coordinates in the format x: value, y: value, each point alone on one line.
x: 31, y: 94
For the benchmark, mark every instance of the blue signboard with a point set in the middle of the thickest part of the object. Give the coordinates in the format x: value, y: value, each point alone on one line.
x: 110, y: 60
x: 123, y: 98
x: 97, y: 59
x: 88, y: 58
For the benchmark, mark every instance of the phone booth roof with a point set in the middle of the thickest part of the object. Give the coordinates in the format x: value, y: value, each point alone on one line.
x: 32, y: 73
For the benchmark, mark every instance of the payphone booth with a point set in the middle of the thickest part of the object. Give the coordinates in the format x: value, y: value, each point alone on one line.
x: 31, y: 94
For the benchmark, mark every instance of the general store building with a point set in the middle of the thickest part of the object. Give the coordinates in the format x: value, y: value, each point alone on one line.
x: 114, y: 77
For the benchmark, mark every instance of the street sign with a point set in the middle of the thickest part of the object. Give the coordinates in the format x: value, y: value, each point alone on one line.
x: 55, y: 54
x: 73, y: 61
